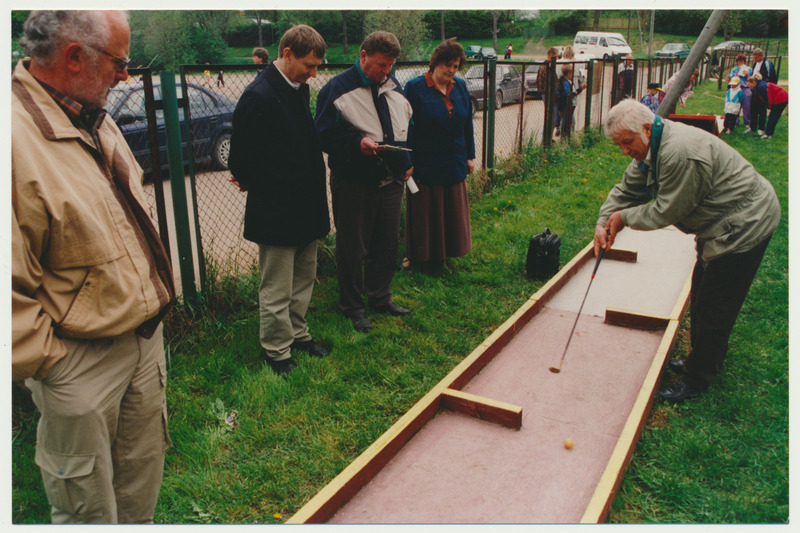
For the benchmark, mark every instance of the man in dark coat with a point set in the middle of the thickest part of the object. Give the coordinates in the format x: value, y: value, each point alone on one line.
x: 276, y: 157
x: 361, y: 115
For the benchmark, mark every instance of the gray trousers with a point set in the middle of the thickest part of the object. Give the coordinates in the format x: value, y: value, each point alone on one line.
x: 102, y: 434
x: 287, y: 281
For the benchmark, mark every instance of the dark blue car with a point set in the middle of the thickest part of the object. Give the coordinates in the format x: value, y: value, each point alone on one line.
x: 211, y: 115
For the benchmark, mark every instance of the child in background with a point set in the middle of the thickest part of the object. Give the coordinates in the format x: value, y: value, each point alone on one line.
x: 733, y: 104
x: 651, y: 98
x: 567, y: 99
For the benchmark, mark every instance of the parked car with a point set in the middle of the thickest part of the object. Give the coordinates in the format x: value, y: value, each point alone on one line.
x: 508, y: 87
x: 472, y: 50
x: 405, y: 75
x: 531, y: 88
x: 674, y: 50
x: 737, y: 46
x: 211, y: 116
x: 486, y: 53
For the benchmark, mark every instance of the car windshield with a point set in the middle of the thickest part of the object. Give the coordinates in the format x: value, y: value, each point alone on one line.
x: 475, y: 71
x: 613, y: 41
x: 673, y: 47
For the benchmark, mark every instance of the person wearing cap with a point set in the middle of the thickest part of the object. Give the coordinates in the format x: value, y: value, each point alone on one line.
x: 685, y: 177
x: 651, y: 98
x: 733, y: 105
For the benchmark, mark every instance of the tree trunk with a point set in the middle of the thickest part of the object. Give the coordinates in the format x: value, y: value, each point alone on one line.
x: 441, y: 23
x: 596, y: 25
x: 344, y: 31
x: 260, y: 37
x: 495, y: 15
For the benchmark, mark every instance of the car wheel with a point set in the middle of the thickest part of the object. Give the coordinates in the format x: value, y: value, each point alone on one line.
x: 498, y: 100
x: 474, y: 106
x: 222, y: 149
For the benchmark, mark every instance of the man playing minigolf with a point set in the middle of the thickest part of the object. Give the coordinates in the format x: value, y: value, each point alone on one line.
x: 683, y: 176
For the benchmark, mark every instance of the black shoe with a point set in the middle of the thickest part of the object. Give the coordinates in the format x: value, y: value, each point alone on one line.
x: 393, y: 309
x: 677, y: 365
x: 283, y: 368
x: 311, y: 347
x: 361, y: 323
x: 677, y: 392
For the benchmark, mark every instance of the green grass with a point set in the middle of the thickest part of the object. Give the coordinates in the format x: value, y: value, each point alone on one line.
x: 721, y: 458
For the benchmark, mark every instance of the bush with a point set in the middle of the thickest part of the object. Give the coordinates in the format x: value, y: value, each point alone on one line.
x: 567, y: 22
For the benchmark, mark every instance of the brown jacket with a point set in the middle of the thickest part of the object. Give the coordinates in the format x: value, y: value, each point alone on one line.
x: 86, y: 259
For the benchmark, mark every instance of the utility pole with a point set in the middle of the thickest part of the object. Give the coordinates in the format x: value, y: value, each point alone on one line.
x: 695, y: 56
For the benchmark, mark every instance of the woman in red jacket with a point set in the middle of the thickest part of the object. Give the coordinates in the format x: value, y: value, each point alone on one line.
x: 771, y: 96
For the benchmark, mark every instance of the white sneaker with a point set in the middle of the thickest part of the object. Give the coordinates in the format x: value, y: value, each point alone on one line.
x: 761, y: 132
x: 766, y: 136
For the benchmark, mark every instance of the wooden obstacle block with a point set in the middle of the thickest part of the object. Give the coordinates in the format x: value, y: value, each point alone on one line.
x: 632, y: 319
x: 709, y: 123
x: 483, y: 408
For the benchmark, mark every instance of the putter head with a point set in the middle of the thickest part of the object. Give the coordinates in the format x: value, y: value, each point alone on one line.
x: 555, y: 370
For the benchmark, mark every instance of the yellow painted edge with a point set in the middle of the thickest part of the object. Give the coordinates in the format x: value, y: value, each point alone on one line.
x: 614, y: 468
x: 575, y: 262
x: 616, y: 464
x: 474, y: 398
x: 336, y: 484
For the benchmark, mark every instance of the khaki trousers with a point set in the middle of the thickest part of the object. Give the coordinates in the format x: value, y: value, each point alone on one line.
x: 103, y: 430
x: 287, y: 281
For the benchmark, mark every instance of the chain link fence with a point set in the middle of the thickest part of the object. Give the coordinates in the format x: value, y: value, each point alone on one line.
x: 520, y: 112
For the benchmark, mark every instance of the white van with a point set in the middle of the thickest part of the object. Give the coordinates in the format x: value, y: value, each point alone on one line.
x: 600, y: 45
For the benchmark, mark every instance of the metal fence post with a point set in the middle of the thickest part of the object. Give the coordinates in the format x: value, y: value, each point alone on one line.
x: 178, y: 185
x: 491, y: 70
x: 590, y: 91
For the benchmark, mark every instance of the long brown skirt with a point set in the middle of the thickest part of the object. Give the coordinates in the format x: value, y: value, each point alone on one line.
x: 437, y: 222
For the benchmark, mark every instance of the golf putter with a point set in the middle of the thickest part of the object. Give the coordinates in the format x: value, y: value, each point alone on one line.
x: 556, y: 370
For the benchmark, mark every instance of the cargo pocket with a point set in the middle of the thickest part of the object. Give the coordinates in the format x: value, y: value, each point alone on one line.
x: 70, y: 482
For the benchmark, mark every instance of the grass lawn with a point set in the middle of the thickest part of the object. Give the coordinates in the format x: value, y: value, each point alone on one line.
x: 720, y: 458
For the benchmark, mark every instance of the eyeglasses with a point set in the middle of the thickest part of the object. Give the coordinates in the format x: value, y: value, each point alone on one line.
x: 121, y: 63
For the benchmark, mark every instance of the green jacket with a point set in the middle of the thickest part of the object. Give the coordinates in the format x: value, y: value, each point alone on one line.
x: 704, y: 187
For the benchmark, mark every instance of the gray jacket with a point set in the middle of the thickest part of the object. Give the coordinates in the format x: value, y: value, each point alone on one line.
x: 704, y: 187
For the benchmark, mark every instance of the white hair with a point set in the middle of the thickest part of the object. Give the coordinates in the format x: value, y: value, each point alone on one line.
x: 628, y: 115
x: 46, y: 32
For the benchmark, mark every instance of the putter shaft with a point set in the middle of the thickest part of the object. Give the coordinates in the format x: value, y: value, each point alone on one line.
x: 556, y: 370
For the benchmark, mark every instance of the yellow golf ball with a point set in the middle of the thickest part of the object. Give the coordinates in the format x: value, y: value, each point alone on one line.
x: 568, y: 444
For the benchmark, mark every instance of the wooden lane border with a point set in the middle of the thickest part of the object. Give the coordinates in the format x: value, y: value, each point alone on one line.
x: 606, y: 490
x: 482, y: 408
x: 345, y: 485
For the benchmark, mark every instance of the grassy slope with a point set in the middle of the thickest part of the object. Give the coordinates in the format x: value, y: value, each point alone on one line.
x: 721, y: 458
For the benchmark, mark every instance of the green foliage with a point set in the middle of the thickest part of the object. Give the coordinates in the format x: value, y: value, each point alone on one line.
x: 567, y: 22
x: 732, y: 24
x: 761, y: 22
x: 408, y: 27
x: 174, y: 38
x: 472, y: 24
x: 18, y: 19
